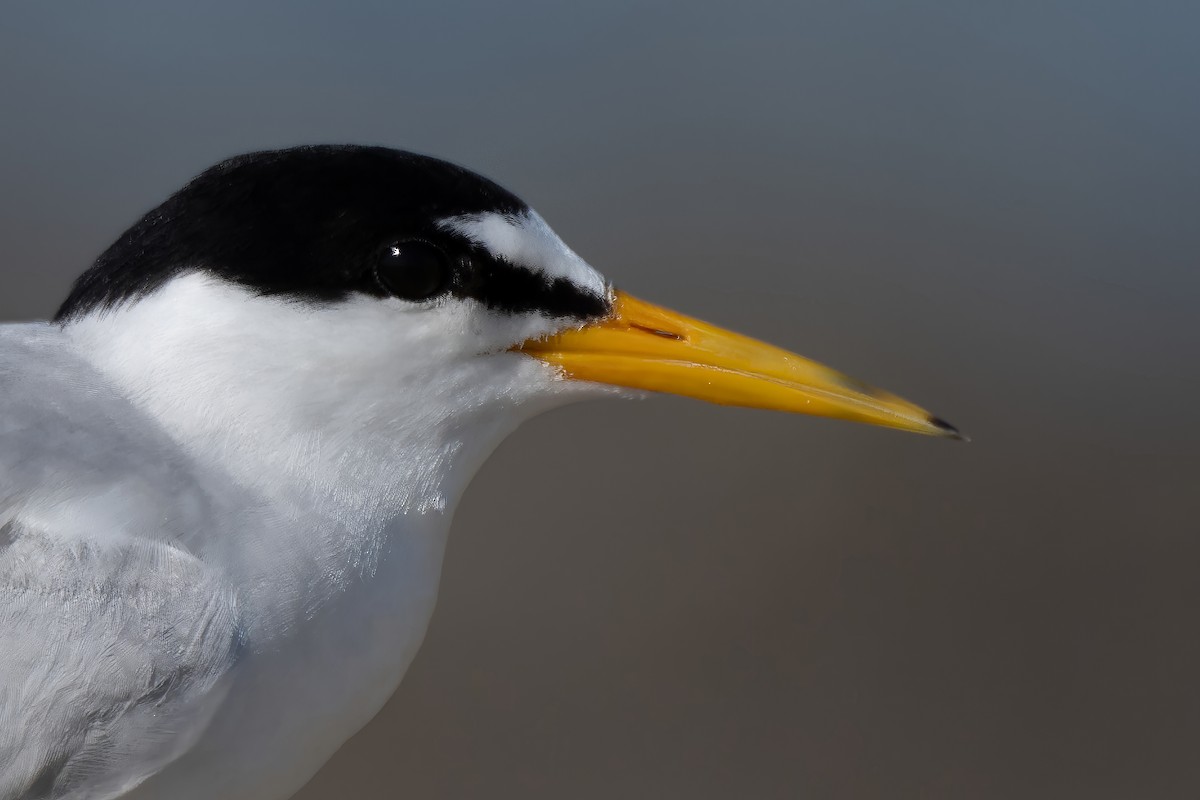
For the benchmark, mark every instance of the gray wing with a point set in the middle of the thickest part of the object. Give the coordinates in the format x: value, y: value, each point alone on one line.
x: 112, y: 661
x: 116, y: 642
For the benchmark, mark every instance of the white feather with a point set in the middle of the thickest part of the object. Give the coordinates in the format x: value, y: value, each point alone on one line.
x: 526, y: 240
x: 309, y: 458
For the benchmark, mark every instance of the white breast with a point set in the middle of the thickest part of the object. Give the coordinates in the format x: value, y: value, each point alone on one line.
x: 336, y: 443
x: 293, y: 704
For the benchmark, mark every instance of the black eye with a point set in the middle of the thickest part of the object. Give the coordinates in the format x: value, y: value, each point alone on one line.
x: 413, y: 270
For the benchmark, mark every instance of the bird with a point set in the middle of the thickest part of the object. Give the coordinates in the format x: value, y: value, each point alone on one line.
x: 229, y: 462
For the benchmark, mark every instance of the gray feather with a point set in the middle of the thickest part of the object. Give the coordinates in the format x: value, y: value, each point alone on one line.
x: 115, y: 639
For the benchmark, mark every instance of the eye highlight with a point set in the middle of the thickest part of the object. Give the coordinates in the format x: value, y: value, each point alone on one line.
x: 413, y: 270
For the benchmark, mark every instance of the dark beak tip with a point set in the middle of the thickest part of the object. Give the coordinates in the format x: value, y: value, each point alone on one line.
x: 947, y: 429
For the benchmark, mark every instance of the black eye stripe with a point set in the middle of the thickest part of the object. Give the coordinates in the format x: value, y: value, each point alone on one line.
x: 516, y: 290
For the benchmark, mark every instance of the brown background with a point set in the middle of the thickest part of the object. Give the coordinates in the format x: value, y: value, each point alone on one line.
x: 994, y: 210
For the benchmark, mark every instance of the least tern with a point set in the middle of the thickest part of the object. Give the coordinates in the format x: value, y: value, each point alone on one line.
x: 229, y: 464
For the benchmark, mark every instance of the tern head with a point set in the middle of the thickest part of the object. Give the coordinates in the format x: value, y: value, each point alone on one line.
x: 363, y: 290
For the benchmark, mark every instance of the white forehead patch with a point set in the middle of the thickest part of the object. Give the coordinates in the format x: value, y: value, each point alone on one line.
x: 527, y: 241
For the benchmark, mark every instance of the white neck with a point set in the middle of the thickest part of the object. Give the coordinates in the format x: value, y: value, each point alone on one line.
x: 342, y: 421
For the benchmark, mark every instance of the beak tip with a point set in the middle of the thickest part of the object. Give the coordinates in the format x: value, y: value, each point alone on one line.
x: 947, y: 430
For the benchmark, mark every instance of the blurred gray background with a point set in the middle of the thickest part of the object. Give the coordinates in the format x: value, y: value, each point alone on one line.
x: 991, y: 208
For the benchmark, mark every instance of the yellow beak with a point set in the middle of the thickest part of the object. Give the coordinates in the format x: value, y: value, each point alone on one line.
x: 644, y: 346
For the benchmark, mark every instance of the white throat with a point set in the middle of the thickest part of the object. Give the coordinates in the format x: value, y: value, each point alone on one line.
x: 373, y: 407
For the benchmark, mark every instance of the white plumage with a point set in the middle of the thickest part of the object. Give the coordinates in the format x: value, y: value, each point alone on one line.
x: 309, y: 458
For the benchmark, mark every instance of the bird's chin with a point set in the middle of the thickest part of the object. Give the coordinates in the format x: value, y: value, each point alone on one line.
x: 556, y: 387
